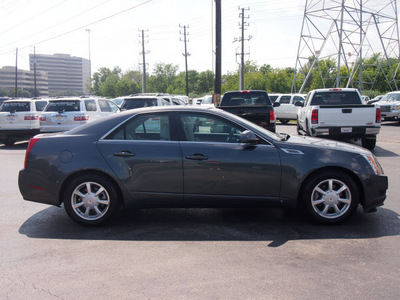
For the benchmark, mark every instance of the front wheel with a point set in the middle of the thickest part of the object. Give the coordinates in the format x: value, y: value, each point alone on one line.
x: 91, y: 199
x: 330, y: 197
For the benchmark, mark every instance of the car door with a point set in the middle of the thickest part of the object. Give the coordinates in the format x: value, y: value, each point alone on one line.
x: 146, y: 158
x: 220, y: 170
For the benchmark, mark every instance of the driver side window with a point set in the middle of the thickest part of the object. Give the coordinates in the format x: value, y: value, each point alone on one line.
x: 206, y: 128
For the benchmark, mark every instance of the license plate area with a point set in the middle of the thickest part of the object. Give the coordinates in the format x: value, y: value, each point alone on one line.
x: 346, y: 129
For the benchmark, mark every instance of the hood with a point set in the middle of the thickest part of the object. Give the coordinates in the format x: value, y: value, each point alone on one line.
x: 325, y: 143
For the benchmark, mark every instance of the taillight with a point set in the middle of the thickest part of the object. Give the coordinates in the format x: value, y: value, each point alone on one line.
x: 378, y: 116
x: 272, y: 116
x: 32, y: 142
x: 314, y: 116
x: 42, y: 118
x: 81, y: 118
x: 31, y: 117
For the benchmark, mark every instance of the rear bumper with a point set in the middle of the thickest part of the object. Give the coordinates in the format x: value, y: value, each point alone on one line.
x: 18, y: 134
x: 374, y: 192
x: 346, y: 132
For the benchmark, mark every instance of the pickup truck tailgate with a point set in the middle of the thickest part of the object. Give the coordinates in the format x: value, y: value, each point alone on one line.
x: 354, y: 115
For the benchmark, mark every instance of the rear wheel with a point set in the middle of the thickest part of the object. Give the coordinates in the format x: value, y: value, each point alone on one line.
x: 369, y: 142
x: 91, y: 199
x: 330, y: 197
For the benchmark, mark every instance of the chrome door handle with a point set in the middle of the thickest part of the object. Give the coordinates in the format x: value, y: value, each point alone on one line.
x: 124, y: 154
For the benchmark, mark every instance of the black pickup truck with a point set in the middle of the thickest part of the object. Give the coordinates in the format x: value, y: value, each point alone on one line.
x: 254, y: 106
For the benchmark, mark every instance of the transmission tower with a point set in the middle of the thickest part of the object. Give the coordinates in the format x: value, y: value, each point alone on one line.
x: 345, y: 34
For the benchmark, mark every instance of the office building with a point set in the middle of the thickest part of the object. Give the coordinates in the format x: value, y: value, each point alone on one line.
x: 65, y: 72
x: 25, y: 80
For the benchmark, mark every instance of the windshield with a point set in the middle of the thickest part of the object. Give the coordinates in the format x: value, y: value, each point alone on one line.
x: 15, y: 106
x: 245, y: 98
x: 137, y: 103
x: 61, y: 106
x: 393, y: 97
x: 207, y: 100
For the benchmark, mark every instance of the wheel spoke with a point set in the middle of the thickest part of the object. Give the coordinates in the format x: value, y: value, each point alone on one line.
x: 88, y: 187
x: 77, y: 205
x: 319, y: 190
x: 341, y: 190
x: 101, y: 189
x: 103, y: 201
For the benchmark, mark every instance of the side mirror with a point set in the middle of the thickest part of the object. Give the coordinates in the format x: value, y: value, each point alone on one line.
x: 248, y: 137
x: 276, y: 104
x: 299, y: 103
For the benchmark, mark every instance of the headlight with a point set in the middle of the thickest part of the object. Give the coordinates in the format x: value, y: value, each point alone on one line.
x: 373, y: 162
x: 394, y: 107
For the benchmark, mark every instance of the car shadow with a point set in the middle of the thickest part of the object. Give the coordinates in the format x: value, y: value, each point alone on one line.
x: 276, y: 226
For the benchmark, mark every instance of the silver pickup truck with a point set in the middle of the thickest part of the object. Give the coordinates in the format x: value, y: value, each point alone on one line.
x: 339, y: 114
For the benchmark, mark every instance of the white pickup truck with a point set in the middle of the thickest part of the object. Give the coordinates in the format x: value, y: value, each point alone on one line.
x: 339, y: 114
x: 290, y: 105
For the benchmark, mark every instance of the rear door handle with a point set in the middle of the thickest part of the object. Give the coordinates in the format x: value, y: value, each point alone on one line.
x: 124, y: 154
x: 197, y: 156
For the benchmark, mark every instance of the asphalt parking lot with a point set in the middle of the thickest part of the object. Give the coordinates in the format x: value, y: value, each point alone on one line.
x: 199, y: 253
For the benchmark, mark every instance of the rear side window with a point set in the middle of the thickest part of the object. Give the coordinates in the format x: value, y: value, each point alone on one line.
x: 150, y: 127
x: 15, y: 106
x: 62, y: 106
x: 245, y: 98
x: 90, y: 105
x: 285, y: 100
x: 137, y: 103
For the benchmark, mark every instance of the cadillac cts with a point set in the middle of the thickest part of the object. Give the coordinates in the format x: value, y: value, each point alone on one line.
x: 196, y: 157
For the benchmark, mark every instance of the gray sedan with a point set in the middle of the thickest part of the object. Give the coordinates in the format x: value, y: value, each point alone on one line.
x: 196, y: 157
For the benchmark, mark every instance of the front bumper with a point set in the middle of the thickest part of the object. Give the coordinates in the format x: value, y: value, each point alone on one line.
x: 374, y: 192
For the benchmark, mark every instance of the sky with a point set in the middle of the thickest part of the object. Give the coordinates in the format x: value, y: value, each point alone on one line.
x: 113, y: 28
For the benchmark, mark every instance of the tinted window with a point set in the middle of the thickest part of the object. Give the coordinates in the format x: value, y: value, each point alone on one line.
x: 336, y: 98
x: 245, y: 98
x: 61, y: 106
x: 144, y: 127
x: 273, y: 98
x: 104, y: 106
x: 90, y: 105
x: 137, y: 103
x: 15, y: 106
x: 204, y: 128
x: 285, y: 99
x: 40, y: 105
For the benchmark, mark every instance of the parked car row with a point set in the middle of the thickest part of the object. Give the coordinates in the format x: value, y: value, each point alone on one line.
x: 21, y: 119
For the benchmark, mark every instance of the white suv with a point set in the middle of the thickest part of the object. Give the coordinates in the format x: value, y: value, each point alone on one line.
x: 19, y: 119
x: 66, y: 113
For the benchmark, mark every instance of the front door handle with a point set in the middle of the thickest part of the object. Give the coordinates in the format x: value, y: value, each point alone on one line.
x: 197, y: 156
x: 124, y: 154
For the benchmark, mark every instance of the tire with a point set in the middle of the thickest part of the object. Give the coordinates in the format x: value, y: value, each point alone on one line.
x: 91, y: 199
x: 368, y: 143
x: 330, y: 197
x: 9, y: 143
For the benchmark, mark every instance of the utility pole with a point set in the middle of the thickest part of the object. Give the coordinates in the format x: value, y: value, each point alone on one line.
x: 90, y: 60
x: 143, y: 52
x: 217, y: 83
x: 16, y: 74
x: 34, y: 70
x: 186, y: 54
x: 242, y: 39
